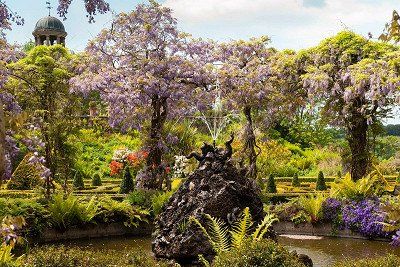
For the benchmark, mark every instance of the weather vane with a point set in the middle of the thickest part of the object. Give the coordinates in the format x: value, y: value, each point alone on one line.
x: 49, y: 7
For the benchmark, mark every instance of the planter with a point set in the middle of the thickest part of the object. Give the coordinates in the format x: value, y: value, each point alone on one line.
x: 95, y: 230
x: 322, y: 229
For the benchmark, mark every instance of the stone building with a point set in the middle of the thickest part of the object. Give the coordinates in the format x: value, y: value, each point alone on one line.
x: 49, y: 31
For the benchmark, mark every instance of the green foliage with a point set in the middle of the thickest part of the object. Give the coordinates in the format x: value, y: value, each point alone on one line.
x: 78, y: 182
x: 70, y: 210
x: 346, y: 188
x: 61, y: 256
x: 320, y: 186
x: 223, y: 239
x: 389, y: 260
x: 392, y: 209
x: 127, y: 185
x: 271, y: 186
x: 312, y: 205
x: 398, y: 178
x: 159, y: 200
x: 115, y: 211
x: 95, y: 149
x: 142, y: 198
x: 96, y: 180
x: 25, y: 177
x: 7, y: 259
x: 264, y: 253
x: 296, y: 181
x: 42, y: 90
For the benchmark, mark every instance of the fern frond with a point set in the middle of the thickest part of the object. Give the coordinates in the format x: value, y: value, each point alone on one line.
x: 241, y: 228
x: 263, y: 227
x: 204, y: 261
x: 219, y: 234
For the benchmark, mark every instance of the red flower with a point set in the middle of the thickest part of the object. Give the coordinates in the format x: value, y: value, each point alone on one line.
x: 115, y: 167
x: 167, y: 169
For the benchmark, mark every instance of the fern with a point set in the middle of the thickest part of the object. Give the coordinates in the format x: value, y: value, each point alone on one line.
x: 312, y: 205
x: 241, y: 228
x: 372, y: 184
x: 204, y: 261
x: 263, y: 227
x: 222, y: 239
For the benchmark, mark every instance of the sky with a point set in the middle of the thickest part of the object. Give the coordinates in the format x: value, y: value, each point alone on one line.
x: 293, y: 24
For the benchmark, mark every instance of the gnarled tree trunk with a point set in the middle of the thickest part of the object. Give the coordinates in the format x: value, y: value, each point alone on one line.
x: 250, y: 144
x: 154, y: 173
x: 358, y: 142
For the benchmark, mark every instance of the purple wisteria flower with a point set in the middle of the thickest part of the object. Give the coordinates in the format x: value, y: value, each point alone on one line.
x: 365, y: 217
x: 396, y: 239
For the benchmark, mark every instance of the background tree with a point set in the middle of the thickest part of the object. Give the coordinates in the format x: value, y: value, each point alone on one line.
x: 146, y: 71
x: 244, y: 74
x: 353, y: 81
x: 40, y: 85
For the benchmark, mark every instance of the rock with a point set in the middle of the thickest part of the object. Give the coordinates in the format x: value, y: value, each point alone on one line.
x: 306, y: 260
x: 216, y: 188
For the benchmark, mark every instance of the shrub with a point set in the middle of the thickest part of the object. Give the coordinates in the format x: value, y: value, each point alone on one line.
x: 70, y: 211
x: 321, y: 186
x: 115, y: 211
x: 312, y: 205
x: 78, y: 180
x: 338, y: 177
x: 60, y: 256
x: 386, y: 261
x: 7, y: 259
x: 25, y: 177
x: 96, y: 180
x: 398, y: 178
x: 265, y: 253
x: 142, y: 198
x: 271, y: 186
x: 365, y: 217
x: 363, y: 188
x: 127, y: 182
x: 296, y: 181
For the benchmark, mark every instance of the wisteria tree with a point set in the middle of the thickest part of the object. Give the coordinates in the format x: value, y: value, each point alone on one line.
x: 356, y: 83
x: 255, y: 80
x: 92, y: 7
x: 147, y: 71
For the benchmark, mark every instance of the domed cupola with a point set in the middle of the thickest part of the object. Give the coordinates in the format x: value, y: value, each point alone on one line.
x: 48, y: 31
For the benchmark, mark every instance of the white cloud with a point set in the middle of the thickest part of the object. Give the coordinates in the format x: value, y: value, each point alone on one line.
x: 290, y: 23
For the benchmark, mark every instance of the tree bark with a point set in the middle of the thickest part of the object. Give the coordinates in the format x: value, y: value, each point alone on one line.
x: 250, y: 144
x: 2, y: 144
x: 358, y: 142
x: 153, y: 163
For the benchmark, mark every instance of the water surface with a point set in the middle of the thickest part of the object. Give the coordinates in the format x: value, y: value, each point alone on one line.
x: 323, y: 251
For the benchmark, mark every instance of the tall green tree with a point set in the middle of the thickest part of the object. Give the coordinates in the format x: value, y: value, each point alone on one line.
x: 40, y: 84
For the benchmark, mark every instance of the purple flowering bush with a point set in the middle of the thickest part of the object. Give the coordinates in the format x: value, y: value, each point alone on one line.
x: 332, y: 209
x: 365, y: 217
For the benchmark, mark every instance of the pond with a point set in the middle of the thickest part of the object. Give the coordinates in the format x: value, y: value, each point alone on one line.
x: 323, y: 251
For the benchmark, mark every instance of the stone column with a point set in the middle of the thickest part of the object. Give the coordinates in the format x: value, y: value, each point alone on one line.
x: 58, y: 40
x: 47, y: 40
